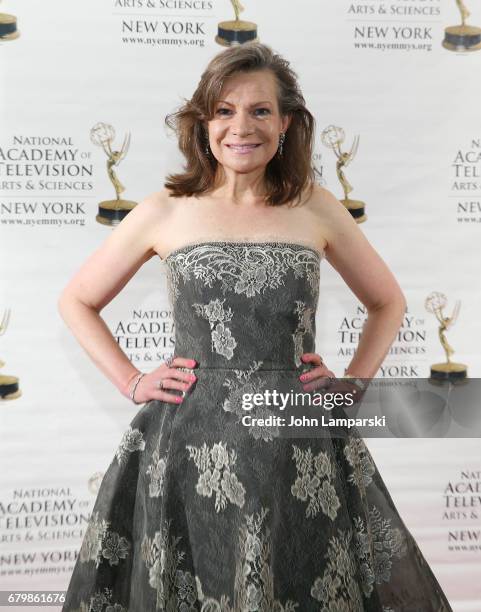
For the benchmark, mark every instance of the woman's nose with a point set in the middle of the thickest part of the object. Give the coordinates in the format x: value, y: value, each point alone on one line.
x: 241, y: 124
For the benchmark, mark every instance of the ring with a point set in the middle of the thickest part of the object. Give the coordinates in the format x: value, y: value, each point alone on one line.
x: 160, y: 384
x: 169, y: 361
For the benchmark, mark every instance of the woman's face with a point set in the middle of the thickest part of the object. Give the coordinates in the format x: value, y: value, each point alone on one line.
x: 244, y: 132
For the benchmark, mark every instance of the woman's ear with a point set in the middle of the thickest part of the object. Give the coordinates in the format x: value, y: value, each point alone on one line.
x: 286, y: 122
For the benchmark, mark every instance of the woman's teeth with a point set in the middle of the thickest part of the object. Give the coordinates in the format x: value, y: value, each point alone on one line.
x: 242, y: 148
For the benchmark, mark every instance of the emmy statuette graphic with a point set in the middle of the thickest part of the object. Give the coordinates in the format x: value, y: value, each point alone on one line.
x: 94, y: 482
x: 9, y: 388
x: 462, y: 37
x: 111, y: 212
x: 332, y: 137
x: 8, y: 27
x: 237, y: 31
x: 448, y: 371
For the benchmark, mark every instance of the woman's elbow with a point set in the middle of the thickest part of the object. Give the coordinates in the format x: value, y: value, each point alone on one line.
x: 398, y: 307
x: 401, y: 300
x: 66, y: 299
x: 62, y: 301
x: 396, y: 301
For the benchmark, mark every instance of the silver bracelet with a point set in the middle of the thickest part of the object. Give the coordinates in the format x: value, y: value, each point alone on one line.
x: 134, y: 386
x: 358, y: 382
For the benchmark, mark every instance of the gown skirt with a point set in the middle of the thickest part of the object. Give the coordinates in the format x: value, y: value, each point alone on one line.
x: 215, y: 505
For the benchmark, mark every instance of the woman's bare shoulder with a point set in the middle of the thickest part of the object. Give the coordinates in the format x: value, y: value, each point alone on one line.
x: 157, y: 203
x: 339, y: 227
x: 156, y: 210
x: 329, y: 211
x: 162, y: 216
x: 322, y: 201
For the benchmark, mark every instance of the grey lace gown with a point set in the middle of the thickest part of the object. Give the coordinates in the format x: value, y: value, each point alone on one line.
x: 199, y: 512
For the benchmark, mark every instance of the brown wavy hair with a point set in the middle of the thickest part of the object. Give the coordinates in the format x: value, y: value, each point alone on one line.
x: 286, y: 176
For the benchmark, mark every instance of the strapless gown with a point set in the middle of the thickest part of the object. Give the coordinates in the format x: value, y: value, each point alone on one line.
x: 200, y: 512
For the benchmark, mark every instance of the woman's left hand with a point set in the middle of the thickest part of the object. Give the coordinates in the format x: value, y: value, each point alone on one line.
x: 319, y: 376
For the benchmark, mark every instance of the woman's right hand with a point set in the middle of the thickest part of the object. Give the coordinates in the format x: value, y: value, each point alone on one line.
x: 171, y: 377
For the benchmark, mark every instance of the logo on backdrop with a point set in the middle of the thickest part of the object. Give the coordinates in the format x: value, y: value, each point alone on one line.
x: 237, y: 31
x: 111, y: 212
x: 40, y: 522
x: 394, y: 26
x: 8, y: 27
x: 448, y: 371
x: 462, y: 37
x: 9, y: 387
x: 147, y: 337
x: 462, y: 504
x: 163, y: 23
x: 44, y: 182
x: 332, y: 137
x: 466, y: 182
x: 318, y: 168
x: 406, y: 355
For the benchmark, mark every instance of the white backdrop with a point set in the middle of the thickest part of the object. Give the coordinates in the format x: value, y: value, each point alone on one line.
x: 384, y: 76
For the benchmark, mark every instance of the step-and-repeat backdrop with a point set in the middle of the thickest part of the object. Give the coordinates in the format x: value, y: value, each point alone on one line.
x: 398, y: 80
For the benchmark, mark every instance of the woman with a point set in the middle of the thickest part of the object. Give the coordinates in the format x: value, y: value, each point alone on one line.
x: 200, y: 510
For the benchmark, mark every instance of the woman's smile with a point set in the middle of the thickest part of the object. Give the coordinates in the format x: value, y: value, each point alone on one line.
x: 242, y: 149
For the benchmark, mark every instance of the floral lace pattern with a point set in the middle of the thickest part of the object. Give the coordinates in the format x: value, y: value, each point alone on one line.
x: 101, y: 601
x: 175, y: 588
x: 180, y: 589
x: 254, y: 579
x: 314, y: 482
x: 376, y: 551
x: 337, y: 588
x: 355, y: 553
x: 239, y: 289
x: 132, y: 441
x: 156, y: 471
x: 215, y: 466
x: 100, y: 543
x: 361, y: 461
x: 243, y: 384
x: 223, y: 342
x: 254, y: 583
x: 243, y: 268
x: 304, y: 326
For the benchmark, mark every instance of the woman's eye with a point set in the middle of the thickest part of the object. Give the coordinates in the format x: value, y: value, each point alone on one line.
x: 261, y: 110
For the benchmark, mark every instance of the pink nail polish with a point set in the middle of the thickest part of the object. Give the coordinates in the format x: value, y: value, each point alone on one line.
x: 178, y: 399
x: 193, y: 362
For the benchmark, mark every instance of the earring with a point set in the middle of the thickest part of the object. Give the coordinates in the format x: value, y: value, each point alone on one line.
x: 207, y: 148
x: 282, y: 137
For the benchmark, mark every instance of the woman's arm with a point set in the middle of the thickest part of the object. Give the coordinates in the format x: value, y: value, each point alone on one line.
x: 101, y: 277
x: 369, y: 278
